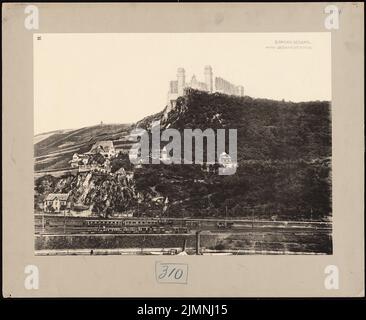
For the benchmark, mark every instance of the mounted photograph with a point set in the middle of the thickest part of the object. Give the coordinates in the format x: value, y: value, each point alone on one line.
x: 182, y: 144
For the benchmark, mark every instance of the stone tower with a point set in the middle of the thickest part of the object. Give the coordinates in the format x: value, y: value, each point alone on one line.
x: 208, y: 78
x: 181, y: 76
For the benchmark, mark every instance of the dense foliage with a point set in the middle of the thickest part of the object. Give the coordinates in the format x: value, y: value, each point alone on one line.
x: 284, y: 151
x: 284, y: 165
x: 267, y: 129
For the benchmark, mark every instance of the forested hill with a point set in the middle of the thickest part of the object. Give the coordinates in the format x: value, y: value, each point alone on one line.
x: 284, y: 162
x: 284, y: 158
x: 267, y: 129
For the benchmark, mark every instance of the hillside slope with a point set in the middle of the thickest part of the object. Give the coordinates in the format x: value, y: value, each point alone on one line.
x: 55, y: 149
x: 284, y: 152
x: 267, y: 129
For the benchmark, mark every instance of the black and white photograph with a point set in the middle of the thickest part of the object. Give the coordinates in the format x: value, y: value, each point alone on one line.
x: 182, y: 158
x: 182, y: 144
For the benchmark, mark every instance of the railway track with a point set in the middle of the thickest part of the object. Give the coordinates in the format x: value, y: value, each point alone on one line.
x: 68, y: 225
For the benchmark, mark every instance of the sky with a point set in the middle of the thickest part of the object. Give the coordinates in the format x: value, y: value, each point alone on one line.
x: 83, y: 79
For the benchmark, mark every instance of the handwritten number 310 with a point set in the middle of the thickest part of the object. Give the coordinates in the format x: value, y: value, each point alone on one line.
x: 174, y: 272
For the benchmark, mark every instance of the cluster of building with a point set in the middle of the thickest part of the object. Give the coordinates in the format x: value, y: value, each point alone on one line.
x: 97, y: 159
x: 177, y: 87
x: 62, y: 202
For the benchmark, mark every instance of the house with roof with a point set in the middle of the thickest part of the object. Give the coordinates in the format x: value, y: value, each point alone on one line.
x: 57, y: 202
x: 96, y: 163
x: 97, y: 159
x: 226, y: 161
x: 79, y: 159
x: 228, y: 166
x: 105, y: 148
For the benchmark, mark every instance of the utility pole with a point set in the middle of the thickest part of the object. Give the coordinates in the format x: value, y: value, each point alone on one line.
x: 43, y: 229
x: 142, y: 244
x: 64, y: 221
x: 198, y: 242
x: 225, y: 215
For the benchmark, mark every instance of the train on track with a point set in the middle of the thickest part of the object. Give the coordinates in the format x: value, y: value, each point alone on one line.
x: 144, y: 225
x: 130, y: 226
